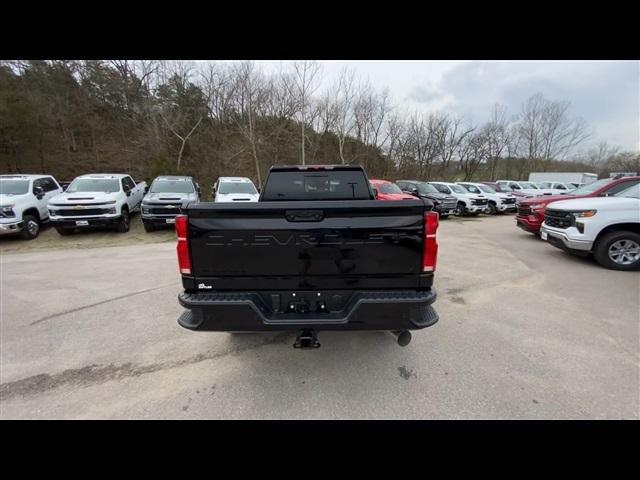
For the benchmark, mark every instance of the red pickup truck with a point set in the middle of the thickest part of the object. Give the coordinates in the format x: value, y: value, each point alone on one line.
x: 531, y: 210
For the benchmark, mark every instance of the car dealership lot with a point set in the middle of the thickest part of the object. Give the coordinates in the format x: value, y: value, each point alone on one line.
x: 525, y: 331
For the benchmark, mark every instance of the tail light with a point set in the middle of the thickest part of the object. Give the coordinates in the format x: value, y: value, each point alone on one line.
x: 430, y: 253
x: 182, y: 230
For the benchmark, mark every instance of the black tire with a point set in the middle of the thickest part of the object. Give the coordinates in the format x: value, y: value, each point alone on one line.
x: 460, y: 208
x: 123, y: 224
x: 492, y: 208
x: 149, y: 227
x: 64, y: 231
x: 31, y: 227
x: 444, y: 216
x: 618, y: 250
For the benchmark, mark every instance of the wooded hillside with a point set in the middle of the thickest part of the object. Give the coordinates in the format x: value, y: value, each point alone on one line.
x: 151, y: 117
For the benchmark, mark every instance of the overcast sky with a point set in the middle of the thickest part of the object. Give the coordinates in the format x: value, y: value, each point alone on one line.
x: 605, y: 93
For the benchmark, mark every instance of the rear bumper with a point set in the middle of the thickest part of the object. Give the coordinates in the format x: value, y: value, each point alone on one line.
x: 9, y: 228
x: 248, y: 311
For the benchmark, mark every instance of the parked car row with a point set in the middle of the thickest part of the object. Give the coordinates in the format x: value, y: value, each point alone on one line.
x: 461, y: 198
x: 104, y: 200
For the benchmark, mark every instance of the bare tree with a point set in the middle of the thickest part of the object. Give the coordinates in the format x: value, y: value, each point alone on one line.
x: 344, y: 92
x: 449, y: 135
x: 179, y: 106
x: 306, y: 76
x: 547, y: 132
x: 472, y: 153
x: 395, y: 129
x: 249, y: 96
x: 182, y: 137
x: 598, y: 156
x: 496, y: 138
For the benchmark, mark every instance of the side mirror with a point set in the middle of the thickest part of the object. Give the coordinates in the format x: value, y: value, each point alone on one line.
x: 375, y: 193
x: 39, y: 192
x: 146, y: 189
x: 414, y: 191
x: 127, y: 190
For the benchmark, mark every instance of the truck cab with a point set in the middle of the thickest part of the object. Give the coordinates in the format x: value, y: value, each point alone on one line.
x: 23, y: 203
x: 316, y: 252
x: 165, y: 198
x: 97, y: 199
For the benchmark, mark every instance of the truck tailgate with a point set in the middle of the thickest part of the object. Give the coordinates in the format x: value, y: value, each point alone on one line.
x: 310, y: 244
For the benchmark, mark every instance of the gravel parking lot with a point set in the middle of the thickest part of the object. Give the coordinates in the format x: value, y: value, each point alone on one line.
x: 526, y: 331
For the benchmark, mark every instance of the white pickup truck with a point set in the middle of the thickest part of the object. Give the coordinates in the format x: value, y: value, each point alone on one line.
x: 607, y: 227
x: 498, y: 201
x: 468, y: 203
x: 96, y: 200
x: 23, y: 203
x: 234, y: 189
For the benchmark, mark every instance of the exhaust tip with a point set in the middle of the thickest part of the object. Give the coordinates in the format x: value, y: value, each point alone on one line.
x: 403, y: 337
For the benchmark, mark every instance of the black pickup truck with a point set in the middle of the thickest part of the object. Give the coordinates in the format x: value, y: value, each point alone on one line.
x: 316, y: 252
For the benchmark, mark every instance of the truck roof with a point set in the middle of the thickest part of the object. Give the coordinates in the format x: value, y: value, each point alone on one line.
x: 104, y: 175
x: 302, y: 168
x: 173, y: 177
x: 235, y: 179
x: 25, y: 177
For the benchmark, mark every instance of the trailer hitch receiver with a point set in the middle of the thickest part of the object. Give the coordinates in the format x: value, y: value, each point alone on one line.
x: 307, y: 338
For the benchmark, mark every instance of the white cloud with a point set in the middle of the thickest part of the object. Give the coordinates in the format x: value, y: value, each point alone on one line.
x: 605, y: 93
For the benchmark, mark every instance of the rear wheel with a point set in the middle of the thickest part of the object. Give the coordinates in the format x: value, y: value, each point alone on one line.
x: 618, y: 250
x: 31, y: 227
x: 491, y: 209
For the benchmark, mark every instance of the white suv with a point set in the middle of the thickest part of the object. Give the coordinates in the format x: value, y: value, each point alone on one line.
x: 468, y: 203
x: 23, y: 203
x: 234, y: 189
x: 608, y: 227
x: 498, y: 201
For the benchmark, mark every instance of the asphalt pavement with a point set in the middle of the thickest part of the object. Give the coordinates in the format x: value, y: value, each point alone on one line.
x: 526, y: 331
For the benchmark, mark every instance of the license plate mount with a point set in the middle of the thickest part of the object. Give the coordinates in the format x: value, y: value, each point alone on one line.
x: 82, y: 223
x: 543, y: 235
x: 170, y: 220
